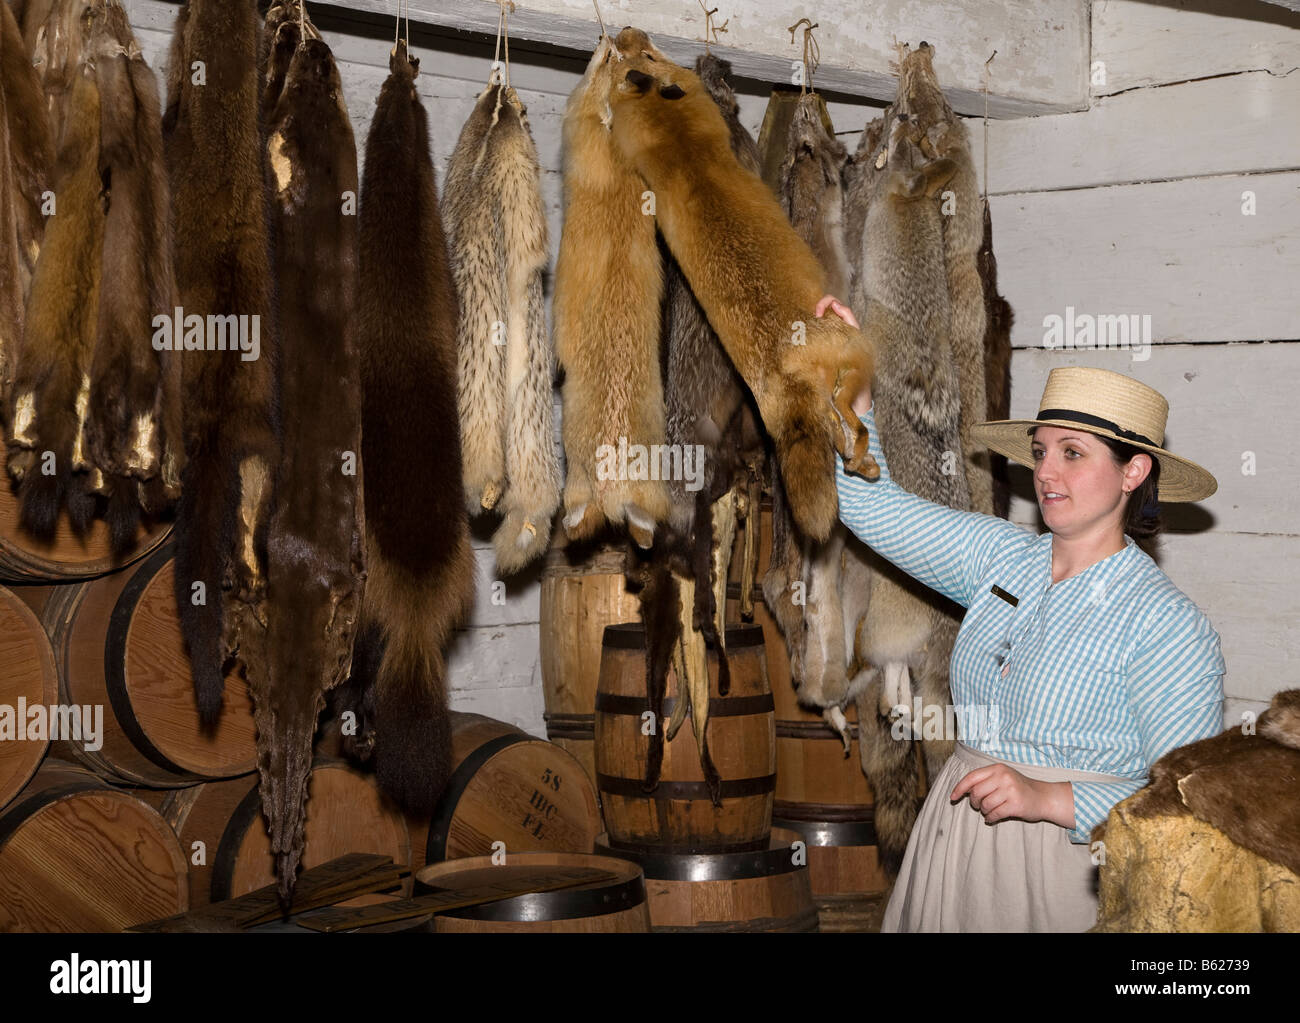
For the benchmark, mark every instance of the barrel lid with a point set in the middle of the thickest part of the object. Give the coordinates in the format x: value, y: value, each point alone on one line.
x: 595, y: 899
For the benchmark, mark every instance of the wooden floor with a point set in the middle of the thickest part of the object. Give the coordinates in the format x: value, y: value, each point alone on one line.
x: 851, y: 914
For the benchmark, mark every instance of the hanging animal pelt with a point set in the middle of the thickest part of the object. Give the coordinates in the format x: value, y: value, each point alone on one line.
x: 223, y: 277
x: 50, y: 392
x: 999, y: 317
x: 812, y: 196
x: 315, y: 539
x: 496, y: 224
x: 704, y: 402
x: 26, y: 162
x: 608, y: 288
x: 57, y: 44
x: 900, y: 633
x: 133, y: 428
x: 756, y: 279
x: 943, y: 136
x: 421, y: 569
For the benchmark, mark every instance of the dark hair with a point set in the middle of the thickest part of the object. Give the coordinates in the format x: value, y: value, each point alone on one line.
x: 1142, y: 513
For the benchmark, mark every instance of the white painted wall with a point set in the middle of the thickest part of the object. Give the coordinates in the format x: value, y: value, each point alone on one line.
x: 1132, y: 205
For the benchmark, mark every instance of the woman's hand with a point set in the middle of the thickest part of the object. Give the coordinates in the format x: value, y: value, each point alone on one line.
x: 1000, y: 792
x: 861, y: 404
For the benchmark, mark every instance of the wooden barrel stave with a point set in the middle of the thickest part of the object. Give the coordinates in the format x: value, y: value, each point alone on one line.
x: 679, y: 813
x: 118, y: 644
x: 79, y: 855
x: 585, y: 909
x: 28, y: 677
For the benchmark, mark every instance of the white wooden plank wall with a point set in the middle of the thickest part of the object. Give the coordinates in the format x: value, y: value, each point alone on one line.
x: 1132, y: 206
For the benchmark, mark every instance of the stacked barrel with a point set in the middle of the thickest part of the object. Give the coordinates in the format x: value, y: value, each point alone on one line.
x: 117, y: 808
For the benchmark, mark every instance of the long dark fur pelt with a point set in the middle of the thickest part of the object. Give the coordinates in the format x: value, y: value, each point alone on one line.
x: 223, y: 267
x: 26, y: 162
x: 421, y: 569
x: 132, y: 429
x: 496, y: 223
x: 999, y: 317
x: 57, y: 44
x: 51, y: 382
x: 315, y: 541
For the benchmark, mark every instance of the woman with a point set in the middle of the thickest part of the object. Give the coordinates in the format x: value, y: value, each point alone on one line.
x: 1090, y: 660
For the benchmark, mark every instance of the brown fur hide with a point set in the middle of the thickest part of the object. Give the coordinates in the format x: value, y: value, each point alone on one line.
x: 997, y: 361
x: 51, y: 381
x: 57, y: 44
x: 757, y: 281
x: 315, y: 540
x: 133, y: 428
x: 1213, y: 842
x: 26, y: 162
x: 608, y: 288
x: 223, y: 268
x: 421, y: 569
x: 497, y: 228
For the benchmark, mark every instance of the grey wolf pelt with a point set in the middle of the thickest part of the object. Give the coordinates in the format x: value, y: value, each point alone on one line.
x: 997, y: 361
x: 421, y: 569
x: 608, y: 289
x: 51, y: 381
x: 1213, y: 841
x: 133, y: 429
x: 223, y: 268
x: 755, y: 278
x: 943, y: 136
x: 496, y: 224
x: 26, y: 162
x: 315, y: 540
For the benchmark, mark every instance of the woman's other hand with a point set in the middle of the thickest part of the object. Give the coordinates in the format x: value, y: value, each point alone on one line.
x: 862, y: 404
x: 1000, y: 792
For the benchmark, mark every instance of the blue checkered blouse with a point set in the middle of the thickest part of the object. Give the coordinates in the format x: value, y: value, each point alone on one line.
x: 1105, y: 671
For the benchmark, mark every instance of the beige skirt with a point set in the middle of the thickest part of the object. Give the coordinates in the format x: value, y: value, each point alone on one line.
x: 961, y: 874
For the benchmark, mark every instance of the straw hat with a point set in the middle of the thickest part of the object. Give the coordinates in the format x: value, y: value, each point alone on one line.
x: 1109, y: 405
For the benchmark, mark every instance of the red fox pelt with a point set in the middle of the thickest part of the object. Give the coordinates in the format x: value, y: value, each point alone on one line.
x: 52, y: 377
x: 608, y: 289
x: 26, y: 162
x: 496, y: 224
x: 223, y: 268
x: 133, y: 430
x: 756, y: 279
x: 421, y: 570
x: 315, y: 539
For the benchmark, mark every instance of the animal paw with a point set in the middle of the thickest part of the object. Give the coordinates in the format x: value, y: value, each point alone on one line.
x: 896, y: 692
x: 834, y: 717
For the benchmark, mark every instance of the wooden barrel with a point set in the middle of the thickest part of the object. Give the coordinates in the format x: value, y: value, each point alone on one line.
x: 766, y: 890
x: 118, y: 645
x: 605, y: 907
x: 23, y: 558
x: 507, y: 786
x: 78, y: 855
x: 679, y: 815
x: 222, y: 830
x: 28, y: 680
x: 582, y: 592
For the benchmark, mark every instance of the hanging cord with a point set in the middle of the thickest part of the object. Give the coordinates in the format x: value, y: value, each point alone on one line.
x: 599, y: 19
x: 397, y: 32
x: 503, y: 31
x: 986, y: 125
x: 812, y: 53
x: 710, y: 29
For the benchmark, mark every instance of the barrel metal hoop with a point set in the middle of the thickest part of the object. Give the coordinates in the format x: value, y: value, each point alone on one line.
x: 566, y: 904
x: 16, y: 814
x: 632, y: 788
x: 719, y: 706
x: 449, y: 801
x: 773, y: 859
x: 223, y: 864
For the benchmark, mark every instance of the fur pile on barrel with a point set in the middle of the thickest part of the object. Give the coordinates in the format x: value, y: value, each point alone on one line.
x: 496, y: 225
x: 421, y: 579
x: 1213, y: 842
x: 92, y: 409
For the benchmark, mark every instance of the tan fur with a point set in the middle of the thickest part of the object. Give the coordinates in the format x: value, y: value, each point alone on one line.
x: 756, y: 279
x: 608, y: 287
x: 497, y: 225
